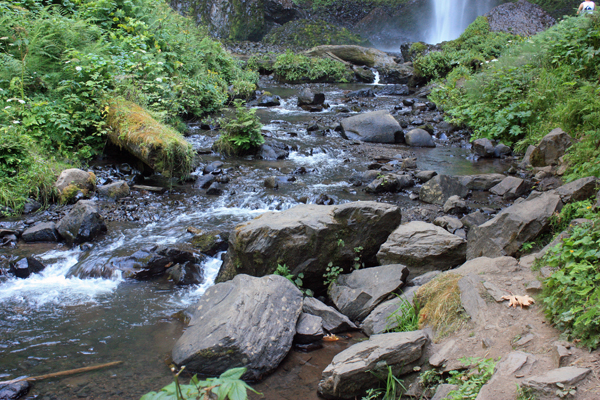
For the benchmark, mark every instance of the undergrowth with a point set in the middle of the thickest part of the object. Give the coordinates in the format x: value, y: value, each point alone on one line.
x: 538, y: 84
x: 241, y: 133
x: 572, y: 293
x: 297, y: 68
x: 283, y: 270
x: 305, y: 33
x: 405, y: 318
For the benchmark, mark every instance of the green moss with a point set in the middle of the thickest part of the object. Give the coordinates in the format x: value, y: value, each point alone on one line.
x: 306, y: 33
x: 247, y: 20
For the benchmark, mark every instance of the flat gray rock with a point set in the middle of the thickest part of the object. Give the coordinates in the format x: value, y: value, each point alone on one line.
x: 578, y: 190
x: 443, y: 390
x: 353, y: 370
x: 358, y: 293
x: 43, y: 232
x: 333, y: 320
x: 511, y: 187
x: 505, y: 374
x: 374, y: 127
x: 481, y: 181
x: 440, y: 188
x: 470, y: 299
x: 422, y: 247
x: 309, y: 329
x: 546, y: 383
x: 246, y: 322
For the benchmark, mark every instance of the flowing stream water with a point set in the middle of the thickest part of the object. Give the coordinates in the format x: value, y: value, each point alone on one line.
x: 51, y: 322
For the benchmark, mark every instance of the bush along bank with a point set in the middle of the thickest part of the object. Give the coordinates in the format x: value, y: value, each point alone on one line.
x: 535, y: 85
x: 60, y: 65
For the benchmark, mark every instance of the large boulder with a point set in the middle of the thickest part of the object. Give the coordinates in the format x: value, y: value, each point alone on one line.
x: 42, y: 232
x: 440, y: 188
x: 14, y: 391
x: 419, y: 138
x: 423, y: 247
x: 390, y: 183
x: 504, y: 234
x: 374, y: 127
x: 551, y: 148
x: 25, y: 267
x: 481, y: 181
x: 519, y: 18
x: 356, y: 55
x: 380, y: 320
x: 355, y: 369
x: 114, y: 191
x: 358, y: 293
x: 307, y: 97
x: 73, y: 180
x: 333, y: 320
x: 82, y: 224
x: 308, y: 237
x: 578, y: 190
x: 246, y: 322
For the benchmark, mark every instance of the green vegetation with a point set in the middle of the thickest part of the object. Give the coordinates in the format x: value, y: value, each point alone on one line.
x: 572, y: 293
x: 393, y: 389
x: 476, y: 46
x: 404, y: 319
x: 284, y: 271
x: 321, y: 4
x: 305, y: 33
x: 440, y: 305
x: 227, y: 386
x: 558, y: 8
x: 240, y: 134
x: 297, y: 68
x: 547, y: 81
x: 61, y: 64
x: 471, y: 380
x: 331, y: 274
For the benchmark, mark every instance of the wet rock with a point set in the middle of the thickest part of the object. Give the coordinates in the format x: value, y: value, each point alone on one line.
x: 358, y: 293
x: 393, y: 90
x: 114, y: 190
x: 14, y: 391
x: 551, y: 148
x: 354, y: 370
x: 364, y: 74
x: 269, y: 101
x: 215, y: 189
x: 424, y: 176
x: 379, y: 321
x: 474, y: 219
x: 397, y: 73
x: 546, y: 383
x: 578, y: 190
x: 271, y: 183
x: 506, y: 232
x: 73, y: 180
x: 440, y: 188
x: 362, y: 93
x: 481, y: 181
x: 510, y: 188
x: 42, y: 232
x: 423, y: 247
x: 501, y: 150
x: 447, y: 127
x: 309, y: 329
x: 307, y: 97
x: 483, y: 148
x: 82, y: 224
x: 419, y: 138
x: 374, y: 127
x: 333, y: 320
x: 451, y: 224
x: 26, y: 266
x: 307, y: 237
x: 455, y: 205
x: 185, y: 274
x: 31, y: 206
x: 204, y: 181
x: 246, y: 322
x: 213, y: 168
x: 273, y: 150
x: 210, y: 243
x: 389, y: 183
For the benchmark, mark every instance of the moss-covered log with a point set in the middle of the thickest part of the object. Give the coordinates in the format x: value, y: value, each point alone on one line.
x: 158, y: 146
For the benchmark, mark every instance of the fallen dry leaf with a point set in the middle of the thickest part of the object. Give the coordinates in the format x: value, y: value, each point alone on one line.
x: 330, y: 338
x: 523, y: 301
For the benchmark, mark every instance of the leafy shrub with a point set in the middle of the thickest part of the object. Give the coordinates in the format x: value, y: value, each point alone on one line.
x: 228, y: 385
x: 296, y: 68
x: 572, y: 293
x: 306, y: 33
x: 283, y: 270
x: 242, y: 133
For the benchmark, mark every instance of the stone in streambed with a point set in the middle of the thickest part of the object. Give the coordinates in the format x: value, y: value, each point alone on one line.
x: 309, y: 329
x: 307, y: 97
x: 355, y: 369
x: 510, y: 188
x: 440, y: 188
x: 72, y: 180
x: 373, y: 127
x: 246, y: 322
x: 483, y: 148
x: 358, y: 293
x: 333, y: 320
x: 82, y: 224
x: 269, y: 101
x: 114, y: 190
x: 26, y: 266
x: 43, y: 232
x: 481, y: 181
x: 419, y: 138
x: 14, y: 391
x: 389, y: 183
x: 455, y: 205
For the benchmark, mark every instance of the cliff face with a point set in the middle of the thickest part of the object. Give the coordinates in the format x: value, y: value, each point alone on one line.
x: 558, y: 8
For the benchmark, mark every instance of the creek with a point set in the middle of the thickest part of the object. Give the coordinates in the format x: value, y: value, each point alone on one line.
x: 52, y: 322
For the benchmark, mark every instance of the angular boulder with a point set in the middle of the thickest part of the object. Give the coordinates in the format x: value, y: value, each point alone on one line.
x: 43, y: 232
x: 423, y: 247
x: 419, y: 138
x: 511, y: 187
x: 358, y: 293
x: 246, y: 322
x: 308, y: 237
x: 354, y: 370
x: 481, y: 181
x: 379, y: 321
x: 546, y: 383
x: 14, y: 391
x: 26, y: 266
x: 373, y: 127
x: 389, y: 183
x: 356, y: 55
x: 309, y: 329
x: 333, y: 320
x: 82, y: 224
x: 578, y: 190
x: 504, y: 234
x: 440, y: 188
x: 455, y: 205
x: 483, y: 148
x: 551, y: 148
x: 307, y: 97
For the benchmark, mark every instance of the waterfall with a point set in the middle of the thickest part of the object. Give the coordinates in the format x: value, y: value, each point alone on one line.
x: 451, y: 17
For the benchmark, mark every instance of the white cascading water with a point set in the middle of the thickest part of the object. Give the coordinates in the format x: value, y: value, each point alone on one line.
x: 451, y: 17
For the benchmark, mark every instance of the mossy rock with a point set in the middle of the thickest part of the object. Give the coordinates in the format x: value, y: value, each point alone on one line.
x: 210, y: 243
x: 305, y: 33
x: 158, y: 146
